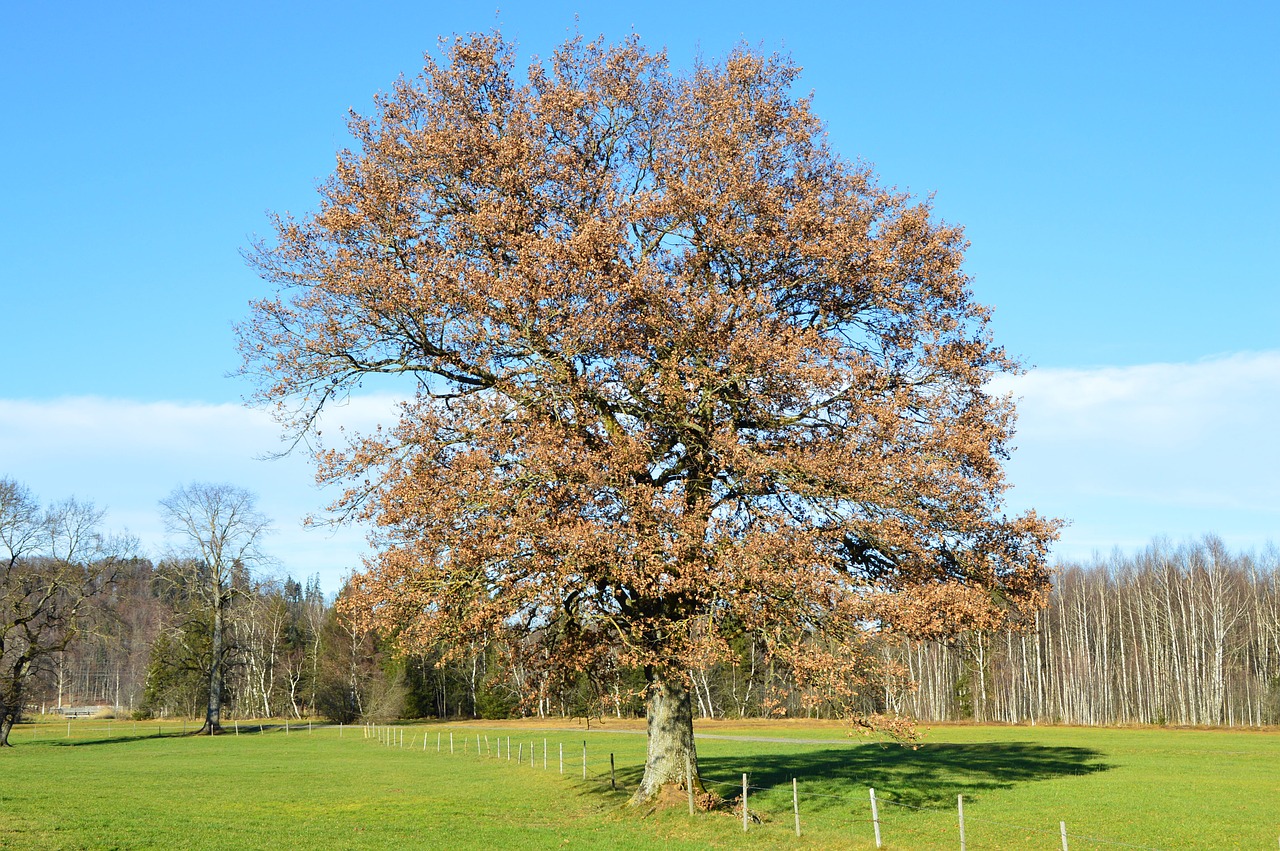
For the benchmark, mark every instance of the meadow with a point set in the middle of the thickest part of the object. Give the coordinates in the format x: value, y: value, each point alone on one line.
x: 149, y: 786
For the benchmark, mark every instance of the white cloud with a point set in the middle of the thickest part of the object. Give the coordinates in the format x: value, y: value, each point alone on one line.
x: 1125, y: 453
x: 1128, y: 453
x: 126, y: 456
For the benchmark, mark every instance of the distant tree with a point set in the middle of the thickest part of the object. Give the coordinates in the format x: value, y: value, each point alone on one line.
x: 52, y: 560
x: 314, y: 612
x: 111, y: 653
x: 679, y: 372
x: 178, y: 674
x: 262, y: 626
x: 355, y: 678
x: 219, y: 528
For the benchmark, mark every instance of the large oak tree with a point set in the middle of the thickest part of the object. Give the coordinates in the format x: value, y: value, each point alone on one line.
x: 677, y: 371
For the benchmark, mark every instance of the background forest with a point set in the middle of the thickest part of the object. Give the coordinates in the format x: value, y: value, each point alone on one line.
x: 1172, y: 635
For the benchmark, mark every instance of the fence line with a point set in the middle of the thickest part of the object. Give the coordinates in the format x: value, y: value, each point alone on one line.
x: 603, y: 771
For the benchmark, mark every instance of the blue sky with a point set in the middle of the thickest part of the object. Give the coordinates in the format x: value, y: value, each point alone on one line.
x: 1115, y: 165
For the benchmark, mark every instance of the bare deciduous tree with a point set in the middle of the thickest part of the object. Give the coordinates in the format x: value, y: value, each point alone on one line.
x: 219, y: 528
x: 51, y: 561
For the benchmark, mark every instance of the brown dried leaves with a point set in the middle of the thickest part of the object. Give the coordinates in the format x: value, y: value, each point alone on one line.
x: 682, y: 370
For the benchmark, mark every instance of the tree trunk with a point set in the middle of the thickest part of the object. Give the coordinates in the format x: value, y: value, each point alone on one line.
x: 670, y: 721
x: 7, y: 718
x: 12, y: 698
x: 8, y: 715
x: 213, y: 713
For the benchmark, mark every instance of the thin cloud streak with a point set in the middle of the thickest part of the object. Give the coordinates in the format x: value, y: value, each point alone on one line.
x: 125, y: 456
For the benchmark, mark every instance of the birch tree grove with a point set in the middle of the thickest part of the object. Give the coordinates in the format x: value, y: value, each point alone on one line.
x: 1171, y: 635
x: 678, y: 373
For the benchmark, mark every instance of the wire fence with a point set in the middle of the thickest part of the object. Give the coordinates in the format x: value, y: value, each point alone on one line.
x: 46, y: 731
x: 863, y: 813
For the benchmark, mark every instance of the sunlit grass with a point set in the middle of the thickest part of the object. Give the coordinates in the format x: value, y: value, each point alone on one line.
x: 132, y: 788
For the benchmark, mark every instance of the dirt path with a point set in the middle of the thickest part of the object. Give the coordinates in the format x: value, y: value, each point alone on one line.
x: 636, y: 727
x: 724, y: 737
x: 775, y: 739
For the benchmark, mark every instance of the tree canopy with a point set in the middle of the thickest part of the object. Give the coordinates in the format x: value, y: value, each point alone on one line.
x: 679, y: 371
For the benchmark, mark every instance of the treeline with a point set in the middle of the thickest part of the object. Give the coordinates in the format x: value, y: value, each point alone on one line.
x: 143, y: 646
x: 1172, y: 635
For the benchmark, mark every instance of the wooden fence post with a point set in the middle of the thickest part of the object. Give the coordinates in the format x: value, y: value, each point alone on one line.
x: 544, y: 754
x: 960, y: 810
x: 744, y: 803
x: 450, y: 741
x: 562, y: 757
x: 613, y: 780
x: 875, y: 818
x: 1062, y: 826
x: 584, y: 759
x: 795, y: 803
x: 688, y: 779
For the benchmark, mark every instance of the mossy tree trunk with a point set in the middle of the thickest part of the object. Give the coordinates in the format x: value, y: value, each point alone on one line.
x: 670, y: 720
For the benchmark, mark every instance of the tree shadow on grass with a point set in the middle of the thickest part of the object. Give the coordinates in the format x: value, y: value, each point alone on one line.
x: 929, y: 776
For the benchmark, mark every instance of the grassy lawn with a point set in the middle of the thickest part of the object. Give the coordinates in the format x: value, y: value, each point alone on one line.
x: 133, y: 789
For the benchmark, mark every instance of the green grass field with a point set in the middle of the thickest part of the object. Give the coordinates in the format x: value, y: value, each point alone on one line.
x: 130, y: 788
